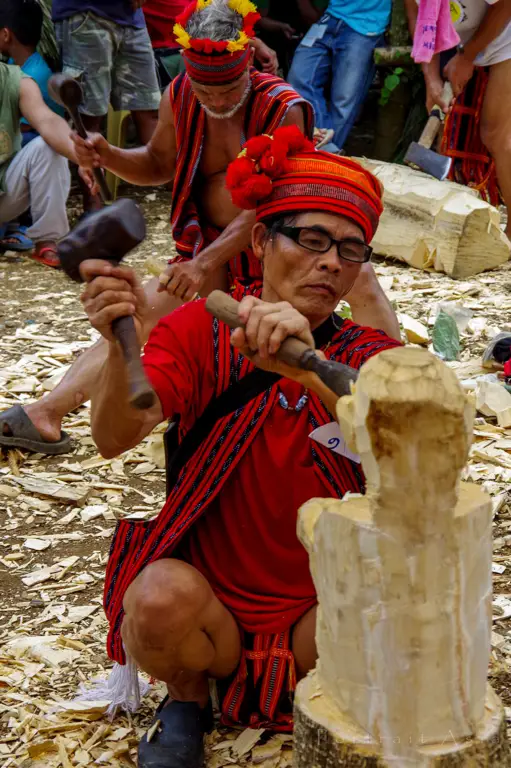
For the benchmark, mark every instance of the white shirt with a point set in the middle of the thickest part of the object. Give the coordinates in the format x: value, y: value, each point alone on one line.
x: 467, y: 16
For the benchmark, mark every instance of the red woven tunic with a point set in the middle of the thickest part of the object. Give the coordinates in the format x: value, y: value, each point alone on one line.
x: 250, y: 475
x: 266, y: 108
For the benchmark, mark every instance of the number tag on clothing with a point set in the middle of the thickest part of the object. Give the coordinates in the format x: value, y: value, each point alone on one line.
x: 330, y: 436
x: 316, y: 32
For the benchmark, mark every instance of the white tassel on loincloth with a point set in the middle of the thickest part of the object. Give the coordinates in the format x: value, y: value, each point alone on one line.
x: 123, y: 688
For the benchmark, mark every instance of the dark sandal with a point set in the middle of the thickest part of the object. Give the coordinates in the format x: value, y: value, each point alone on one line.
x: 23, y: 434
x: 178, y: 742
x: 47, y: 255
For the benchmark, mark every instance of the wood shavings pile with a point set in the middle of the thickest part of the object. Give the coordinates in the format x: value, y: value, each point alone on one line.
x: 58, y: 514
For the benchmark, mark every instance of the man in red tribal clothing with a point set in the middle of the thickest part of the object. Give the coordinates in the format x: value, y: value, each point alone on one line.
x: 205, y: 117
x: 218, y: 584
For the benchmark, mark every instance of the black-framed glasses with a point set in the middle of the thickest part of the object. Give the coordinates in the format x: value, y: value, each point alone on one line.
x: 317, y: 240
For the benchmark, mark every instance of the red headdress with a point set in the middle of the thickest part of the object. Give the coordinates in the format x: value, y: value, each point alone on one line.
x: 216, y: 62
x: 284, y: 174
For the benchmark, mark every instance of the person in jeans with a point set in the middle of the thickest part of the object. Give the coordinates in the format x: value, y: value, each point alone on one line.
x: 336, y: 57
x: 106, y: 46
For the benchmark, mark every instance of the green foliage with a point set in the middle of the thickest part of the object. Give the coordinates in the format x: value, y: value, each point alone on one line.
x: 390, y: 84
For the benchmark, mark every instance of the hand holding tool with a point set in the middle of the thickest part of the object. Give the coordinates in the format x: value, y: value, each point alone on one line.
x: 109, y: 234
x: 67, y: 92
x: 293, y: 351
x: 420, y: 154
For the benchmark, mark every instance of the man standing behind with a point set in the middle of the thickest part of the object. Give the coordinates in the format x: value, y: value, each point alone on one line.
x: 160, y: 16
x: 484, y: 27
x: 337, y: 54
x: 105, y: 44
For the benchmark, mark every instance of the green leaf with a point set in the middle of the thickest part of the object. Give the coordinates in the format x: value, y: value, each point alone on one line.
x: 391, y: 82
x: 399, y: 70
x: 446, y: 337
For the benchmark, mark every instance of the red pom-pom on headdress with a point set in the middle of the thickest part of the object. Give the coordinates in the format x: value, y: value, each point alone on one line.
x: 249, y: 177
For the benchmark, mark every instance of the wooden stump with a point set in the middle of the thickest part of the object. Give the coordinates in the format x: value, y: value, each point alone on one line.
x: 436, y: 225
x: 403, y: 577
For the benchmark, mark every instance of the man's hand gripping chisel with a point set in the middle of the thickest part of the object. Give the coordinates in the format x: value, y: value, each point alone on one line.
x: 109, y: 234
x: 67, y: 92
x: 336, y: 376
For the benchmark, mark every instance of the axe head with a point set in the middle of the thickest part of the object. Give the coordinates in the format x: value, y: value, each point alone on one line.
x: 428, y: 161
x: 108, y: 234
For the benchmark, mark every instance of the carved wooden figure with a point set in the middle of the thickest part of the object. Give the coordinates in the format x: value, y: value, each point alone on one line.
x: 403, y: 576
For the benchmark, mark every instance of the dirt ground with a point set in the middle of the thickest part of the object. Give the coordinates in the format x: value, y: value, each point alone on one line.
x: 53, y: 550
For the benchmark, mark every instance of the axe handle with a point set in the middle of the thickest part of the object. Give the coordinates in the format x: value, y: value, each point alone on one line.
x: 225, y: 308
x: 99, y: 176
x: 141, y: 393
x: 435, y: 119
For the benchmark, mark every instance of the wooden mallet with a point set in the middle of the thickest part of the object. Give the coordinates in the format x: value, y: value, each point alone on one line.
x: 67, y: 92
x: 336, y: 376
x: 109, y: 234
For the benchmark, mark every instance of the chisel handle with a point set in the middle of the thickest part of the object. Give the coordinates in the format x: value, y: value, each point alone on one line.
x: 222, y: 306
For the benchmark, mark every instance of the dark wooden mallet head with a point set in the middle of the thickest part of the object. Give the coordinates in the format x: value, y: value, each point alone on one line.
x: 110, y: 234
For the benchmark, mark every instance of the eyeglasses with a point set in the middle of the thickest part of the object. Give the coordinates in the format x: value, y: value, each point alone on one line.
x: 319, y: 241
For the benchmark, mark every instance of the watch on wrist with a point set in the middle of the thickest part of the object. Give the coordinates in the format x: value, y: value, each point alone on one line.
x: 460, y: 48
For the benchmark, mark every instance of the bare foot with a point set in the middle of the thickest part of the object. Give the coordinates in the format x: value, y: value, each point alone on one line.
x: 47, y: 423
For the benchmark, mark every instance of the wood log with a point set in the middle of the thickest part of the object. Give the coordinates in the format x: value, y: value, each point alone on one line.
x: 393, y: 56
x: 403, y: 576
x: 437, y: 225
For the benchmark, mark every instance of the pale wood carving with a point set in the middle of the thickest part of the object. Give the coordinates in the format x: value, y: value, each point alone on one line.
x: 403, y: 576
x: 438, y: 225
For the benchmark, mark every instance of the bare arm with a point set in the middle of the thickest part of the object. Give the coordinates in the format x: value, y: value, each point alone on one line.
x: 116, y: 425
x: 308, y: 11
x: 430, y: 69
x: 54, y: 129
x: 146, y: 166
x: 113, y: 292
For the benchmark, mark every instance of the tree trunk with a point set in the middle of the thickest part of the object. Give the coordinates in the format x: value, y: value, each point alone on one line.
x: 436, y: 225
x: 403, y: 577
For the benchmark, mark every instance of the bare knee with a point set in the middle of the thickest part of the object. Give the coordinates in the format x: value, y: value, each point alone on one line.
x: 166, y: 599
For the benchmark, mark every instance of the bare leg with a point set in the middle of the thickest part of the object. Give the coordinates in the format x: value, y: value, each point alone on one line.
x: 370, y: 306
x: 76, y: 386
x: 145, y: 123
x: 496, y: 128
x: 90, y: 202
x: 178, y: 631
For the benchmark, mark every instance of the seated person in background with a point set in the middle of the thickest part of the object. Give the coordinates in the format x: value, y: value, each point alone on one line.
x: 220, y: 574
x: 36, y: 176
x: 104, y: 43
x: 336, y: 57
x: 21, y: 23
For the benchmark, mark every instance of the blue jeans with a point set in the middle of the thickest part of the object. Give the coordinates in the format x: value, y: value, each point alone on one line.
x: 333, y: 53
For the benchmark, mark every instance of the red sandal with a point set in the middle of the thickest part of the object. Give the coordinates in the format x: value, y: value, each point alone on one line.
x: 46, y: 254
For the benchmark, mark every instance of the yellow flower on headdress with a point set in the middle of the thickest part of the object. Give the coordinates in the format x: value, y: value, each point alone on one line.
x: 182, y: 36
x: 243, y: 7
x: 201, y: 4
x: 239, y: 44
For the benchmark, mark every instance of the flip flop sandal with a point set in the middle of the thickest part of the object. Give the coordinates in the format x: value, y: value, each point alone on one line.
x: 21, y: 241
x: 23, y: 434
x: 178, y: 742
x: 47, y: 255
